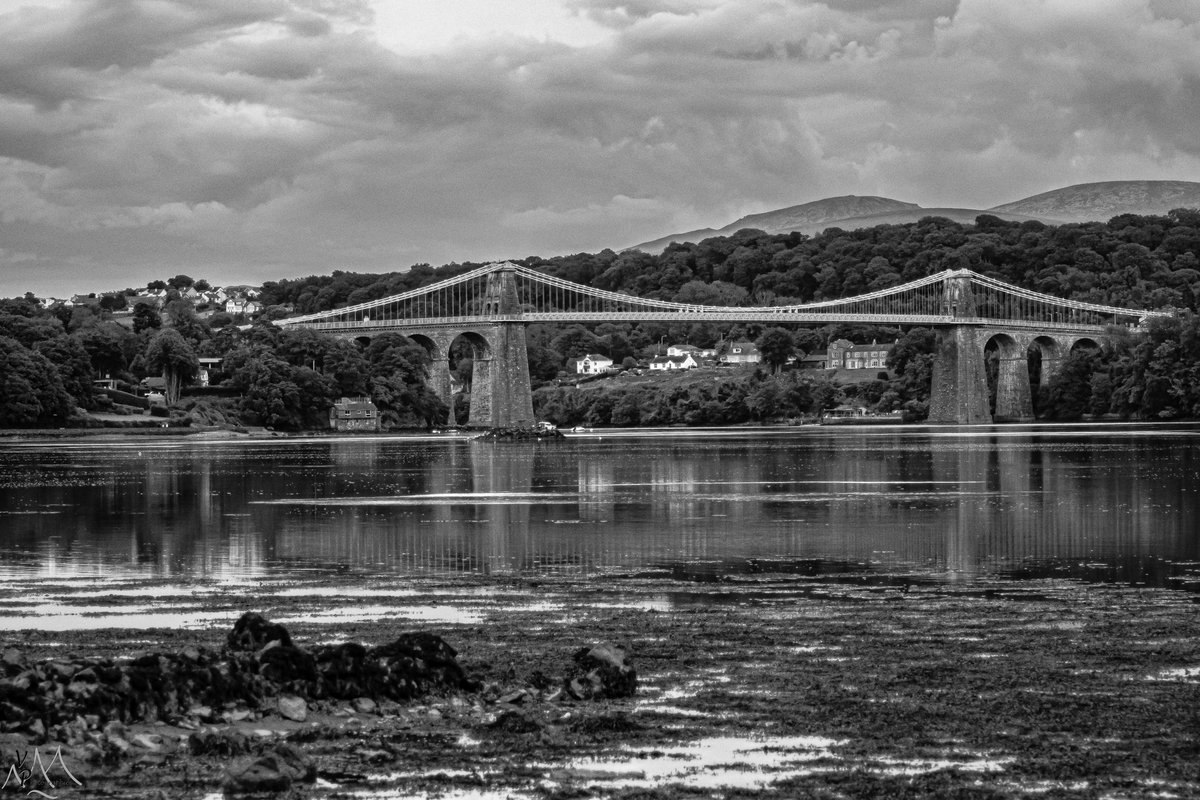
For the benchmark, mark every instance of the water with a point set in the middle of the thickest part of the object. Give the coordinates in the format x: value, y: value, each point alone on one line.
x: 147, y: 524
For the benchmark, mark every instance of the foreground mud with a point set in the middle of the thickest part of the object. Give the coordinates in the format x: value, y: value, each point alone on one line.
x: 759, y: 685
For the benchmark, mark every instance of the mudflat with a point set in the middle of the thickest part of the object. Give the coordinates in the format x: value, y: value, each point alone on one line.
x: 765, y: 685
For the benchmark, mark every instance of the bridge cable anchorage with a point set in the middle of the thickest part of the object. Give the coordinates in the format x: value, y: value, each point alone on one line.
x: 508, y: 292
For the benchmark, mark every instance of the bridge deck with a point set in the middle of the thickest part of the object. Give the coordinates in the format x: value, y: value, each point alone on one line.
x: 750, y: 316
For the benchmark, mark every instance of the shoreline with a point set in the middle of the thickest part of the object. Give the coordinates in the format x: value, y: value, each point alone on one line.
x: 246, y: 432
x: 827, y: 685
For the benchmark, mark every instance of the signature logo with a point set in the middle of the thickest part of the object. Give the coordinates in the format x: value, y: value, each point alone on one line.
x: 29, y: 773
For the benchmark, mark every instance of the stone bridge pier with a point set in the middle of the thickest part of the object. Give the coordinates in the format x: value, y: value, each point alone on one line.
x: 959, y: 393
x: 500, y: 388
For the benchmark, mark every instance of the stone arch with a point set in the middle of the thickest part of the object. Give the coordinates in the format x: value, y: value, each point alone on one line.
x: 1010, y: 385
x: 482, y: 349
x: 1046, y: 354
x: 429, y: 344
x: 478, y: 410
x: 1083, y: 343
x: 363, y: 342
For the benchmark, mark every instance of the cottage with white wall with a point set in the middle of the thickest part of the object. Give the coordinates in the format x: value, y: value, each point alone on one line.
x: 592, y: 364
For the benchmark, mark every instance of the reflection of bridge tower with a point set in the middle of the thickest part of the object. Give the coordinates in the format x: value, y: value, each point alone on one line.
x: 967, y: 469
x: 504, y: 471
x: 595, y: 484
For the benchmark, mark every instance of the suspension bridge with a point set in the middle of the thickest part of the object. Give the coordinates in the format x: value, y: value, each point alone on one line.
x: 490, y: 307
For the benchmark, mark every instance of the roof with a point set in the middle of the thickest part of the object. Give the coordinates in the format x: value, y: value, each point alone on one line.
x: 361, y: 403
x: 850, y: 347
x: 596, y: 357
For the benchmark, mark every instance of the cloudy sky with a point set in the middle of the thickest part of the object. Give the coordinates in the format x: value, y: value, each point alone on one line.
x: 250, y: 140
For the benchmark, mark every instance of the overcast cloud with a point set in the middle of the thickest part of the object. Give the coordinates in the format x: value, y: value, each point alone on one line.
x: 250, y: 140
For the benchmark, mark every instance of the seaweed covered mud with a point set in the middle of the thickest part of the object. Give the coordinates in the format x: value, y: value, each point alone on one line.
x: 640, y: 685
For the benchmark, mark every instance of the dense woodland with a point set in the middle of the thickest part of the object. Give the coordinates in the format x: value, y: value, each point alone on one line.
x: 288, y: 379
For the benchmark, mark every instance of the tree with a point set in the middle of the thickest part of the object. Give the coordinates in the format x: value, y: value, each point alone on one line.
x: 398, y: 368
x: 70, y: 358
x: 169, y: 353
x: 113, y: 302
x: 145, y: 318
x: 182, y: 317
x: 31, y: 392
x: 105, y: 346
x: 1068, y: 395
x: 776, y: 346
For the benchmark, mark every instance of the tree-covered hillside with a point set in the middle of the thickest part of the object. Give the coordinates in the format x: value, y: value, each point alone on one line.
x: 49, y: 357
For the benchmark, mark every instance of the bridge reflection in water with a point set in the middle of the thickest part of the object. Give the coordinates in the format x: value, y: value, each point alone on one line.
x: 1115, y: 505
x: 991, y: 505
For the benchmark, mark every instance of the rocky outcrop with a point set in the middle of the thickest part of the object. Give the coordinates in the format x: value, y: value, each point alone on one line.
x: 259, y: 665
x: 602, y: 671
x: 519, y: 434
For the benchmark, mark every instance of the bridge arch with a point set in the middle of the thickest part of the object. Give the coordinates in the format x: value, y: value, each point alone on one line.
x: 429, y: 344
x: 1012, y: 393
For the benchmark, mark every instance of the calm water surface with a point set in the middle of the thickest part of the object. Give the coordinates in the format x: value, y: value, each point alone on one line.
x: 1011, y: 503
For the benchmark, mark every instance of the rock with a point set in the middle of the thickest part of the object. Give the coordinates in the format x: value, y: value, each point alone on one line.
x: 515, y: 722
x: 85, y: 675
x: 200, y: 712
x: 253, y: 632
x: 12, y: 661
x: 283, y: 663
x: 275, y: 771
x: 364, y: 705
x: 291, y: 707
x: 60, y: 671
x: 151, y: 741
x: 602, y: 671
x: 514, y: 698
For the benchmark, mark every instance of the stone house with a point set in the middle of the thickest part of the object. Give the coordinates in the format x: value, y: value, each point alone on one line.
x: 354, y: 414
x: 844, y: 354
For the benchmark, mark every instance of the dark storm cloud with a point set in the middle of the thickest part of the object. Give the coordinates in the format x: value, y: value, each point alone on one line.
x: 256, y: 139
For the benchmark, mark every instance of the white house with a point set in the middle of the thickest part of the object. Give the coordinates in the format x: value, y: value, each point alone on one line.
x: 242, y: 305
x: 691, y: 350
x: 592, y: 364
x: 672, y: 362
x: 741, y: 353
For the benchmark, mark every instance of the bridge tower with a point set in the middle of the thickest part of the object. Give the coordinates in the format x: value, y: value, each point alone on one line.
x: 959, y: 393
x: 501, y: 394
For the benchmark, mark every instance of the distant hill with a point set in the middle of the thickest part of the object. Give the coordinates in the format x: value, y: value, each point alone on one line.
x: 814, y: 216
x: 1103, y: 201
x: 1084, y: 202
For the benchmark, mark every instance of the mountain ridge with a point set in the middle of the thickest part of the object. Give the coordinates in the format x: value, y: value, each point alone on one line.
x: 1081, y: 202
